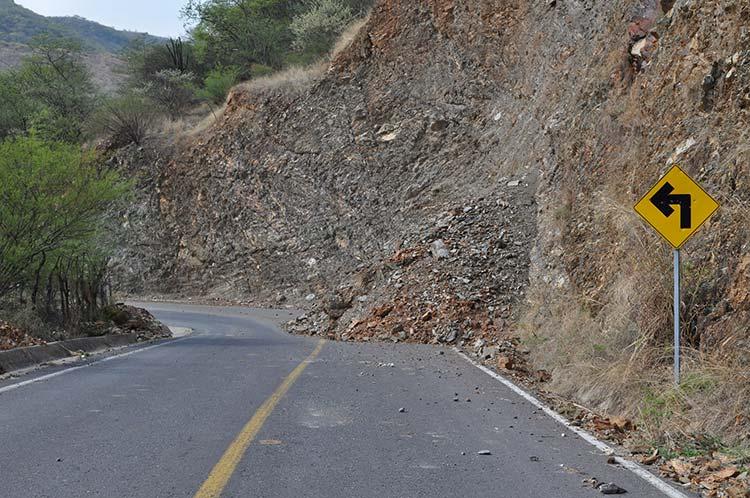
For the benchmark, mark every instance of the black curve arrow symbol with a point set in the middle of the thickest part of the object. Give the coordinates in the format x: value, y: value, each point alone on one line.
x: 664, y: 199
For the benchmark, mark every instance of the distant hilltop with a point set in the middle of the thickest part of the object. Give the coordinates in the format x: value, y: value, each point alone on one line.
x: 19, y: 25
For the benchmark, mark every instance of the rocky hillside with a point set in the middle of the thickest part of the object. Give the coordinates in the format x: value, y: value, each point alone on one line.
x: 464, y: 172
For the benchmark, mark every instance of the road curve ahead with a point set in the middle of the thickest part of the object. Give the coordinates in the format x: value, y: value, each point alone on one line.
x: 241, y: 409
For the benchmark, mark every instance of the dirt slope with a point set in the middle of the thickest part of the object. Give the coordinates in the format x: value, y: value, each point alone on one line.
x: 514, y: 135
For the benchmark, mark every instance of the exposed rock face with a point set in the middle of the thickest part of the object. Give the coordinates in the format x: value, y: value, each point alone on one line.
x: 497, y: 127
x: 297, y: 189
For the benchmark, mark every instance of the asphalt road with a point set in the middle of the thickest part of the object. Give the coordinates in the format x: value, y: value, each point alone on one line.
x: 158, y: 423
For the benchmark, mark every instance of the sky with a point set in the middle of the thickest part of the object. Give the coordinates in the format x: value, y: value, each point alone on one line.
x: 157, y: 17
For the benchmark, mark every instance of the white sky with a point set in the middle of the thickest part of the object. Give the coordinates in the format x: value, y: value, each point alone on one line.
x: 157, y: 17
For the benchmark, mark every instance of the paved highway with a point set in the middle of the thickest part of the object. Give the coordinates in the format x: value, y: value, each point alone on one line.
x: 241, y: 409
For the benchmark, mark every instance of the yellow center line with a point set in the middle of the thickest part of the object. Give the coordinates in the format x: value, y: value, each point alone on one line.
x: 222, y: 472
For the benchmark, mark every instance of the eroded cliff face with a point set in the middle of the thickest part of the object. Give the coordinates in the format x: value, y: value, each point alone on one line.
x: 466, y: 170
x: 312, y: 190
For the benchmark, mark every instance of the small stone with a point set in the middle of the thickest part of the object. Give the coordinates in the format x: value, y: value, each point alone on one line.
x: 484, y: 453
x: 450, y: 337
x: 534, y: 458
x: 439, y: 250
x: 489, y: 352
x: 310, y: 297
x: 514, y: 183
x: 611, y: 460
x: 505, y: 363
x: 611, y: 488
x: 402, y: 410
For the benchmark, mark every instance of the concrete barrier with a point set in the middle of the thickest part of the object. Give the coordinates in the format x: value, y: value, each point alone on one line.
x: 22, y: 358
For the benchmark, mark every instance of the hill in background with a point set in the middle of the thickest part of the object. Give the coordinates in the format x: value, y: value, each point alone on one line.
x: 20, y: 25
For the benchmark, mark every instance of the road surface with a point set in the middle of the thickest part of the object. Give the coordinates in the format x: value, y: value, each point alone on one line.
x: 241, y: 409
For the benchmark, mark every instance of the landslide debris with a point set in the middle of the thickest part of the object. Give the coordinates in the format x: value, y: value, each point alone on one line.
x: 458, y: 284
x: 13, y: 337
x: 122, y: 318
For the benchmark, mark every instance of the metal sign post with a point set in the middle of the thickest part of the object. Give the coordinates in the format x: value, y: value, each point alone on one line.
x: 677, y: 317
x: 659, y: 207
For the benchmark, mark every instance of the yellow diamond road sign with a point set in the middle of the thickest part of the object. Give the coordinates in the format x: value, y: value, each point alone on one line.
x: 676, y: 207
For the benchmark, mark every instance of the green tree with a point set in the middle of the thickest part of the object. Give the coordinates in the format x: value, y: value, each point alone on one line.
x: 52, y: 199
x: 17, y: 108
x: 242, y: 32
x: 58, y: 84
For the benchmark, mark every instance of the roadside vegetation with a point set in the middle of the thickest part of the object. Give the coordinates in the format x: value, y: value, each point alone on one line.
x: 54, y: 195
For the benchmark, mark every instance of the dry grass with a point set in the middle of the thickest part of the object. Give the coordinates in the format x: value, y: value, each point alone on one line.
x: 348, y: 36
x: 610, y: 346
x: 301, y: 78
x: 606, y: 363
x: 291, y: 79
x: 192, y: 124
x: 215, y: 116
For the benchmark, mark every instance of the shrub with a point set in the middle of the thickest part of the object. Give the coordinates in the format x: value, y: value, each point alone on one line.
x: 125, y: 119
x: 260, y: 70
x: 218, y: 83
x: 316, y: 30
x: 144, y: 60
x: 172, y: 91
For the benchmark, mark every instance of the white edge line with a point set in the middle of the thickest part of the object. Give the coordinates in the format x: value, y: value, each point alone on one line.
x: 73, y: 369
x: 605, y: 448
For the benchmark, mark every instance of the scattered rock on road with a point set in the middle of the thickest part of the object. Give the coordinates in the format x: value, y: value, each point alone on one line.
x: 611, y: 488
